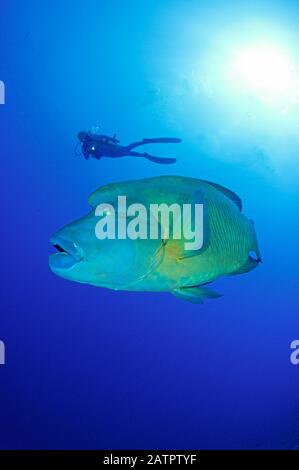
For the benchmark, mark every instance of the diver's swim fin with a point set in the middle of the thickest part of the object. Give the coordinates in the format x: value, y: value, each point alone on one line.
x: 159, y: 159
x: 162, y: 140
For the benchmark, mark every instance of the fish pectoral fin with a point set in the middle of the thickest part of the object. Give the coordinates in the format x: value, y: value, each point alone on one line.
x: 196, y: 294
x: 203, y: 231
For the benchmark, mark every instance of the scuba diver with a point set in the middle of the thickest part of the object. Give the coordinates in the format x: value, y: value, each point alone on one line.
x: 99, y: 145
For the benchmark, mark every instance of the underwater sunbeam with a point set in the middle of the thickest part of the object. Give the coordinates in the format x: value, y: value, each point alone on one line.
x: 267, y: 70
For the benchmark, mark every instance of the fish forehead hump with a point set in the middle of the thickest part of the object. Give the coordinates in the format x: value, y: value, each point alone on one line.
x: 158, y: 189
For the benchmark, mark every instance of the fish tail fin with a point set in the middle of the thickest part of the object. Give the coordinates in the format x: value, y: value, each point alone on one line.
x: 254, y: 252
x: 254, y: 256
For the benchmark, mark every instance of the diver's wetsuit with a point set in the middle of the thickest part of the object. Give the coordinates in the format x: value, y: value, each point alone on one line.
x: 97, y: 146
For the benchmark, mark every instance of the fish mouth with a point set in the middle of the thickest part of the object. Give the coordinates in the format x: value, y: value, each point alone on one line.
x: 68, y: 253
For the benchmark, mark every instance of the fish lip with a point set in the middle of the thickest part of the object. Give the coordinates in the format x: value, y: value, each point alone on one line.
x: 69, y: 254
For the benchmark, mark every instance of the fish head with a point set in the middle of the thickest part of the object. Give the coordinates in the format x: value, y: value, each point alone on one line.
x: 114, y: 263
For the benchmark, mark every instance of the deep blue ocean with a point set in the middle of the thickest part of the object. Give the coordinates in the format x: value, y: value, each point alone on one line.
x: 90, y: 368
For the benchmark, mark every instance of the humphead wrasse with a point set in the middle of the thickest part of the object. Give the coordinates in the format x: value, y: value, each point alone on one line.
x: 229, y: 244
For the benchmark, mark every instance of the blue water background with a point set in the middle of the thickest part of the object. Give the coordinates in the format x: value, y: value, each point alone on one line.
x: 92, y: 368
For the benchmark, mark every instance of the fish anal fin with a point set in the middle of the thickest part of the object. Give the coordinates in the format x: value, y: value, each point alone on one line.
x: 196, y: 294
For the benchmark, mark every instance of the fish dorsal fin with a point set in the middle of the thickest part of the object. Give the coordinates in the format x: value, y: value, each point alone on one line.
x: 228, y: 193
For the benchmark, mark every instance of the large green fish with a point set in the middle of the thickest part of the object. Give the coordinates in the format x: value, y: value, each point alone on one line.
x: 159, y: 264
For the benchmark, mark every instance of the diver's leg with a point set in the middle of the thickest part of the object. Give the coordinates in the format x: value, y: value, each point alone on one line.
x: 152, y: 158
x: 157, y: 140
x: 133, y: 145
x: 162, y: 140
x: 85, y: 151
